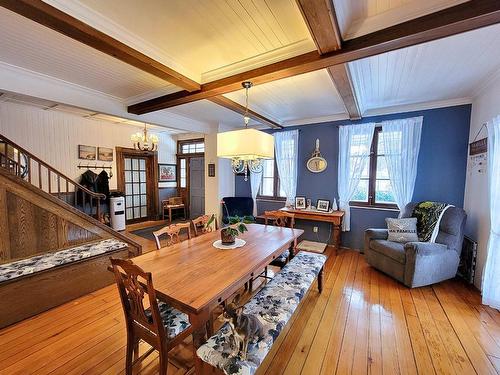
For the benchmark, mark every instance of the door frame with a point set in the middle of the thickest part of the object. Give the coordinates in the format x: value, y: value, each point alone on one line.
x: 185, y: 192
x: 189, y: 182
x: 151, y: 175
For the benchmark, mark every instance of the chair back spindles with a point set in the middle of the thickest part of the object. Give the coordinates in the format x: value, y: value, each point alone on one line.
x: 172, y: 232
x: 200, y: 224
x: 281, y: 218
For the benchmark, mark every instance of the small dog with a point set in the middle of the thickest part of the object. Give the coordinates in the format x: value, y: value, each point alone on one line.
x: 245, y: 327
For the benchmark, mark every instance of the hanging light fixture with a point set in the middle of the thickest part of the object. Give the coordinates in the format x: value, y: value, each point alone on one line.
x: 247, y: 147
x: 143, y: 141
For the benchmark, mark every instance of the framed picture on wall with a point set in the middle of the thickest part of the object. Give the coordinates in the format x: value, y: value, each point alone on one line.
x: 323, y: 205
x: 105, y: 153
x: 86, y: 152
x: 167, y: 172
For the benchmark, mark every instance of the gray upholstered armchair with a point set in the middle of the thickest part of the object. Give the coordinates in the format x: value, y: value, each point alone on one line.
x: 419, y: 263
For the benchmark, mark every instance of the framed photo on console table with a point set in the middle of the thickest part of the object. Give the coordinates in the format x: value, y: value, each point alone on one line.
x: 323, y: 205
x: 300, y: 203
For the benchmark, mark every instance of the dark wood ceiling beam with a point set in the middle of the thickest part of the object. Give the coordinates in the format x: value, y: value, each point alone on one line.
x: 238, y: 108
x: 464, y: 17
x: 53, y: 18
x: 321, y: 20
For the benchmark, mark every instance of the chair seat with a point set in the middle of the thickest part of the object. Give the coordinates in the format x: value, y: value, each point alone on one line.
x: 393, y: 250
x: 274, y: 306
x: 175, y: 321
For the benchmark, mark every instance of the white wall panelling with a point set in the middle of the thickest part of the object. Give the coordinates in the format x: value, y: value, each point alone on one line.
x: 54, y: 136
x: 476, y: 203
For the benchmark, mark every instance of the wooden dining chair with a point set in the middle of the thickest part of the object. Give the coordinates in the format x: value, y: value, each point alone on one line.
x: 200, y: 224
x: 159, y: 325
x: 172, y: 232
x: 282, y: 219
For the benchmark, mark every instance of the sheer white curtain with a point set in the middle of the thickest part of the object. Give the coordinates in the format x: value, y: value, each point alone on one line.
x: 491, y: 279
x: 354, y: 153
x: 255, y: 180
x: 286, y: 150
x: 401, y: 142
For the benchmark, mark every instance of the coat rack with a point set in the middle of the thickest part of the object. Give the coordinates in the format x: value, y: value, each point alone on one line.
x: 95, y: 166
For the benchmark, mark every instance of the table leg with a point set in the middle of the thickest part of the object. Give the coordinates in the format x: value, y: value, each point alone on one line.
x: 199, y: 323
x: 336, y: 234
x: 170, y: 215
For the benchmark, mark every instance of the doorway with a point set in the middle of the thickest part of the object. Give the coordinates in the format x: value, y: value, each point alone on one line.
x: 138, y: 181
x: 196, y: 187
x: 191, y: 182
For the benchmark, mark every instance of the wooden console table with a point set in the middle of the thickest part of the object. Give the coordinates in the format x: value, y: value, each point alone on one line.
x: 335, y: 218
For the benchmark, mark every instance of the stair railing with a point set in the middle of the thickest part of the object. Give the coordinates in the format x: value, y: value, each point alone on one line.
x: 23, y: 164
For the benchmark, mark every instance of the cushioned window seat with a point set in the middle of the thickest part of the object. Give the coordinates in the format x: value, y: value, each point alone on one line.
x: 274, y: 305
x: 29, y: 266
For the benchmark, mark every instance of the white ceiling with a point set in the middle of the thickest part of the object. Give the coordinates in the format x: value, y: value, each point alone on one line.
x: 210, y: 39
x: 310, y: 96
x: 360, y: 17
x: 201, y: 37
x: 32, y: 46
x: 435, y: 71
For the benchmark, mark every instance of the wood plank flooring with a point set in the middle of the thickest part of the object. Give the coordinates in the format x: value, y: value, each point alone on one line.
x: 363, y: 323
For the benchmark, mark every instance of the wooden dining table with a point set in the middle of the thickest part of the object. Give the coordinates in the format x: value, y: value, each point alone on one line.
x: 195, y: 277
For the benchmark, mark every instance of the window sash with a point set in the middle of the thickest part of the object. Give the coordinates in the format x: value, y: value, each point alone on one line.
x: 372, y: 178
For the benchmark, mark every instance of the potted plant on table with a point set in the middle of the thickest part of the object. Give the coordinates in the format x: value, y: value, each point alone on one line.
x: 235, y: 227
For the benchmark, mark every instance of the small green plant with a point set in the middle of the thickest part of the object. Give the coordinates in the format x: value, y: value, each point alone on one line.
x: 237, y: 225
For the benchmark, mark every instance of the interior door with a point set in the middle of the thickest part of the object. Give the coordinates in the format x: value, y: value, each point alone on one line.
x: 136, y: 189
x: 196, y: 187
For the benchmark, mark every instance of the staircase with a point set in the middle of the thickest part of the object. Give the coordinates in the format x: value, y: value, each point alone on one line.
x: 23, y: 164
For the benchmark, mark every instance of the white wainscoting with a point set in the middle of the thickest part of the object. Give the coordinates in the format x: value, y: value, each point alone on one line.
x: 54, y: 137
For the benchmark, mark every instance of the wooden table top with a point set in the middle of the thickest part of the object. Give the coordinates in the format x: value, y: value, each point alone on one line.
x: 193, y: 274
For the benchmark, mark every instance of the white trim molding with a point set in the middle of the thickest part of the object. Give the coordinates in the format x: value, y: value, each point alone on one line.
x: 316, y: 120
x: 411, y: 107
x: 26, y: 82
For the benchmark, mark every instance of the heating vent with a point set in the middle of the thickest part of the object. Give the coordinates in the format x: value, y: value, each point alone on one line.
x: 467, y: 267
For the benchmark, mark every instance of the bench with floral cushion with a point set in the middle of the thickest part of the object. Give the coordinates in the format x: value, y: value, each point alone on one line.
x: 274, y: 305
x: 32, y: 285
x: 28, y: 266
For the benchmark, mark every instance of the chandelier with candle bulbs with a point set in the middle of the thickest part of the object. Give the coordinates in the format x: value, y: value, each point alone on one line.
x: 246, y: 148
x: 144, y: 141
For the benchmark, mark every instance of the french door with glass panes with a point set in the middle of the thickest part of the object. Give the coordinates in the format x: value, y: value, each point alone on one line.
x: 136, y: 191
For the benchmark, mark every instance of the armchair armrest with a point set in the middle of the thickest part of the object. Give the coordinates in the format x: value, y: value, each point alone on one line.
x: 425, y: 248
x: 374, y: 234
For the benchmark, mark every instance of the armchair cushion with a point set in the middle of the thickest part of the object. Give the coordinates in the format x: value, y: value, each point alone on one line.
x: 402, y: 230
x: 393, y: 250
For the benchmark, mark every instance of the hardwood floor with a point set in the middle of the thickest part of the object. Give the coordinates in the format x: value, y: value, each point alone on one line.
x: 362, y: 323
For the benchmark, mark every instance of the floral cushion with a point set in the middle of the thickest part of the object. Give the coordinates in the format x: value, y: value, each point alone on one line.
x: 283, y: 258
x: 9, y: 271
x: 273, y: 305
x: 175, y: 322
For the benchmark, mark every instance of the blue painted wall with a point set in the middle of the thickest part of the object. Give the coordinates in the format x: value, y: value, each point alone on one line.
x: 441, y: 169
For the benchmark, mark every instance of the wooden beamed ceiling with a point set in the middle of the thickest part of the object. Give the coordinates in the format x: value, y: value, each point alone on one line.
x: 464, y: 17
x: 321, y: 20
x: 53, y: 18
x: 238, y: 108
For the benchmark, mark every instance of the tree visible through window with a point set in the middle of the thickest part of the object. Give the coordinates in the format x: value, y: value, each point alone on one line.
x: 375, y: 188
x: 270, y: 186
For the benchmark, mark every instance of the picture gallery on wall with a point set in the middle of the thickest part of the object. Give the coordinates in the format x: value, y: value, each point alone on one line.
x: 95, y: 153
